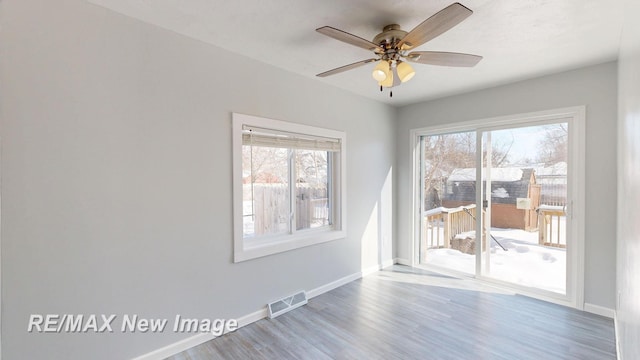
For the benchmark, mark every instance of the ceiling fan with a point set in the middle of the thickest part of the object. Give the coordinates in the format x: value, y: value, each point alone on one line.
x: 393, y: 46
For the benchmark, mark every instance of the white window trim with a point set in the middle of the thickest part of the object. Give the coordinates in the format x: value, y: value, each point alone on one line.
x: 576, y: 117
x: 243, y: 250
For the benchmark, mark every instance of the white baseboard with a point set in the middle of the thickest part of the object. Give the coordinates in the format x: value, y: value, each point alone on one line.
x: 253, y: 317
x: 198, y: 339
x: 400, y: 261
x: 599, y: 310
x: 332, y: 285
x: 376, y: 268
x: 616, y: 333
x: 387, y: 263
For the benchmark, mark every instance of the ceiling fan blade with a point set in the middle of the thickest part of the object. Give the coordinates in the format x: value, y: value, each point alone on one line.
x: 434, y: 26
x: 444, y: 58
x: 349, y: 38
x: 346, y: 67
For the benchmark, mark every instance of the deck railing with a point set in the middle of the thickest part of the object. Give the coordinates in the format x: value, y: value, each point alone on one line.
x: 551, y: 226
x: 442, y: 224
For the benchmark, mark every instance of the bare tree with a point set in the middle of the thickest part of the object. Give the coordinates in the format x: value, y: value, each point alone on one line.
x: 447, y: 152
x: 265, y: 164
x: 311, y: 166
x: 552, y: 148
x: 270, y: 165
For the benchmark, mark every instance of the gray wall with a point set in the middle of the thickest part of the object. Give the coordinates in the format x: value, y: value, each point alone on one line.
x: 116, y: 188
x: 594, y: 87
x: 628, y: 264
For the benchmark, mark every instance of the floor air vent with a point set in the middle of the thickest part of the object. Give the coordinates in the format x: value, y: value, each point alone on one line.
x: 287, y: 304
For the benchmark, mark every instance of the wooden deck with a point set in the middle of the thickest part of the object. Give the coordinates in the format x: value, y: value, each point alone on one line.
x: 551, y: 231
x: 405, y: 313
x: 441, y: 225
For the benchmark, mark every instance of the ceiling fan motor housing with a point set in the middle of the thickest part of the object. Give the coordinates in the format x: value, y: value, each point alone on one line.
x: 390, y: 36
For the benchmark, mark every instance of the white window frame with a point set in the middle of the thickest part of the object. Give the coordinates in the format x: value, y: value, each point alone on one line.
x: 251, y: 248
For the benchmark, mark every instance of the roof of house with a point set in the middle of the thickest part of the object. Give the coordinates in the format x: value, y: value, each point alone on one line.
x: 507, y: 184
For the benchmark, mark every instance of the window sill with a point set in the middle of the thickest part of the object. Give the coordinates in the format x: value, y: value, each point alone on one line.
x: 255, y: 249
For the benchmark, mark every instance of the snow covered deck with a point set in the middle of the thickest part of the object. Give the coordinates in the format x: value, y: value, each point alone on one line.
x: 532, y: 258
x: 526, y: 262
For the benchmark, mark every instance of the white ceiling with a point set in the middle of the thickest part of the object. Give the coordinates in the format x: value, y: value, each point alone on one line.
x: 519, y: 39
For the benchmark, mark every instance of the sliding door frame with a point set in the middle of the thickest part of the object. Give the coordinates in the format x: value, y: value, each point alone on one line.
x: 575, y: 117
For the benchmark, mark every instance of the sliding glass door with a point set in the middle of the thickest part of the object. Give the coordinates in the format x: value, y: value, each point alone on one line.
x: 494, y: 204
x: 525, y: 180
x: 448, y: 201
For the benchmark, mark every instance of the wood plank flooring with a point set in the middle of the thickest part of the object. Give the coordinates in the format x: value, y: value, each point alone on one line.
x: 405, y: 313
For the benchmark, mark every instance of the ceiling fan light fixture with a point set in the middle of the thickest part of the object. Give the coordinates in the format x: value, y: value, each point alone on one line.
x: 405, y: 71
x: 388, y: 82
x: 381, y: 71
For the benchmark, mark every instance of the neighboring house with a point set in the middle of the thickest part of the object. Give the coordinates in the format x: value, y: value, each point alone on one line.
x: 507, y: 185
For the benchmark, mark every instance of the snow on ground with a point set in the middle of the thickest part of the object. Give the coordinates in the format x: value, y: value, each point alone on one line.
x: 525, y: 263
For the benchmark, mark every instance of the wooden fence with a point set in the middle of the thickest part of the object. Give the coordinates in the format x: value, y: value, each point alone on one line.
x: 270, y: 207
x: 311, y: 211
x: 553, y: 194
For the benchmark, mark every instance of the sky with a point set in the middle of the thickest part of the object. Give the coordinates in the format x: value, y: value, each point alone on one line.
x: 525, y: 141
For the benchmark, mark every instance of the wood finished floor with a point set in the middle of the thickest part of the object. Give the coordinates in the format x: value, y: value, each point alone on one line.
x: 405, y: 313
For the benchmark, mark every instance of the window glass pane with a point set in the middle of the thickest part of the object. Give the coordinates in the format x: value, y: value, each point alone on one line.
x: 527, y: 215
x: 312, y: 190
x: 449, y: 190
x: 265, y: 195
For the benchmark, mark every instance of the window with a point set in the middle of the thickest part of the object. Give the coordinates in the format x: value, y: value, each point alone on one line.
x: 288, y: 186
